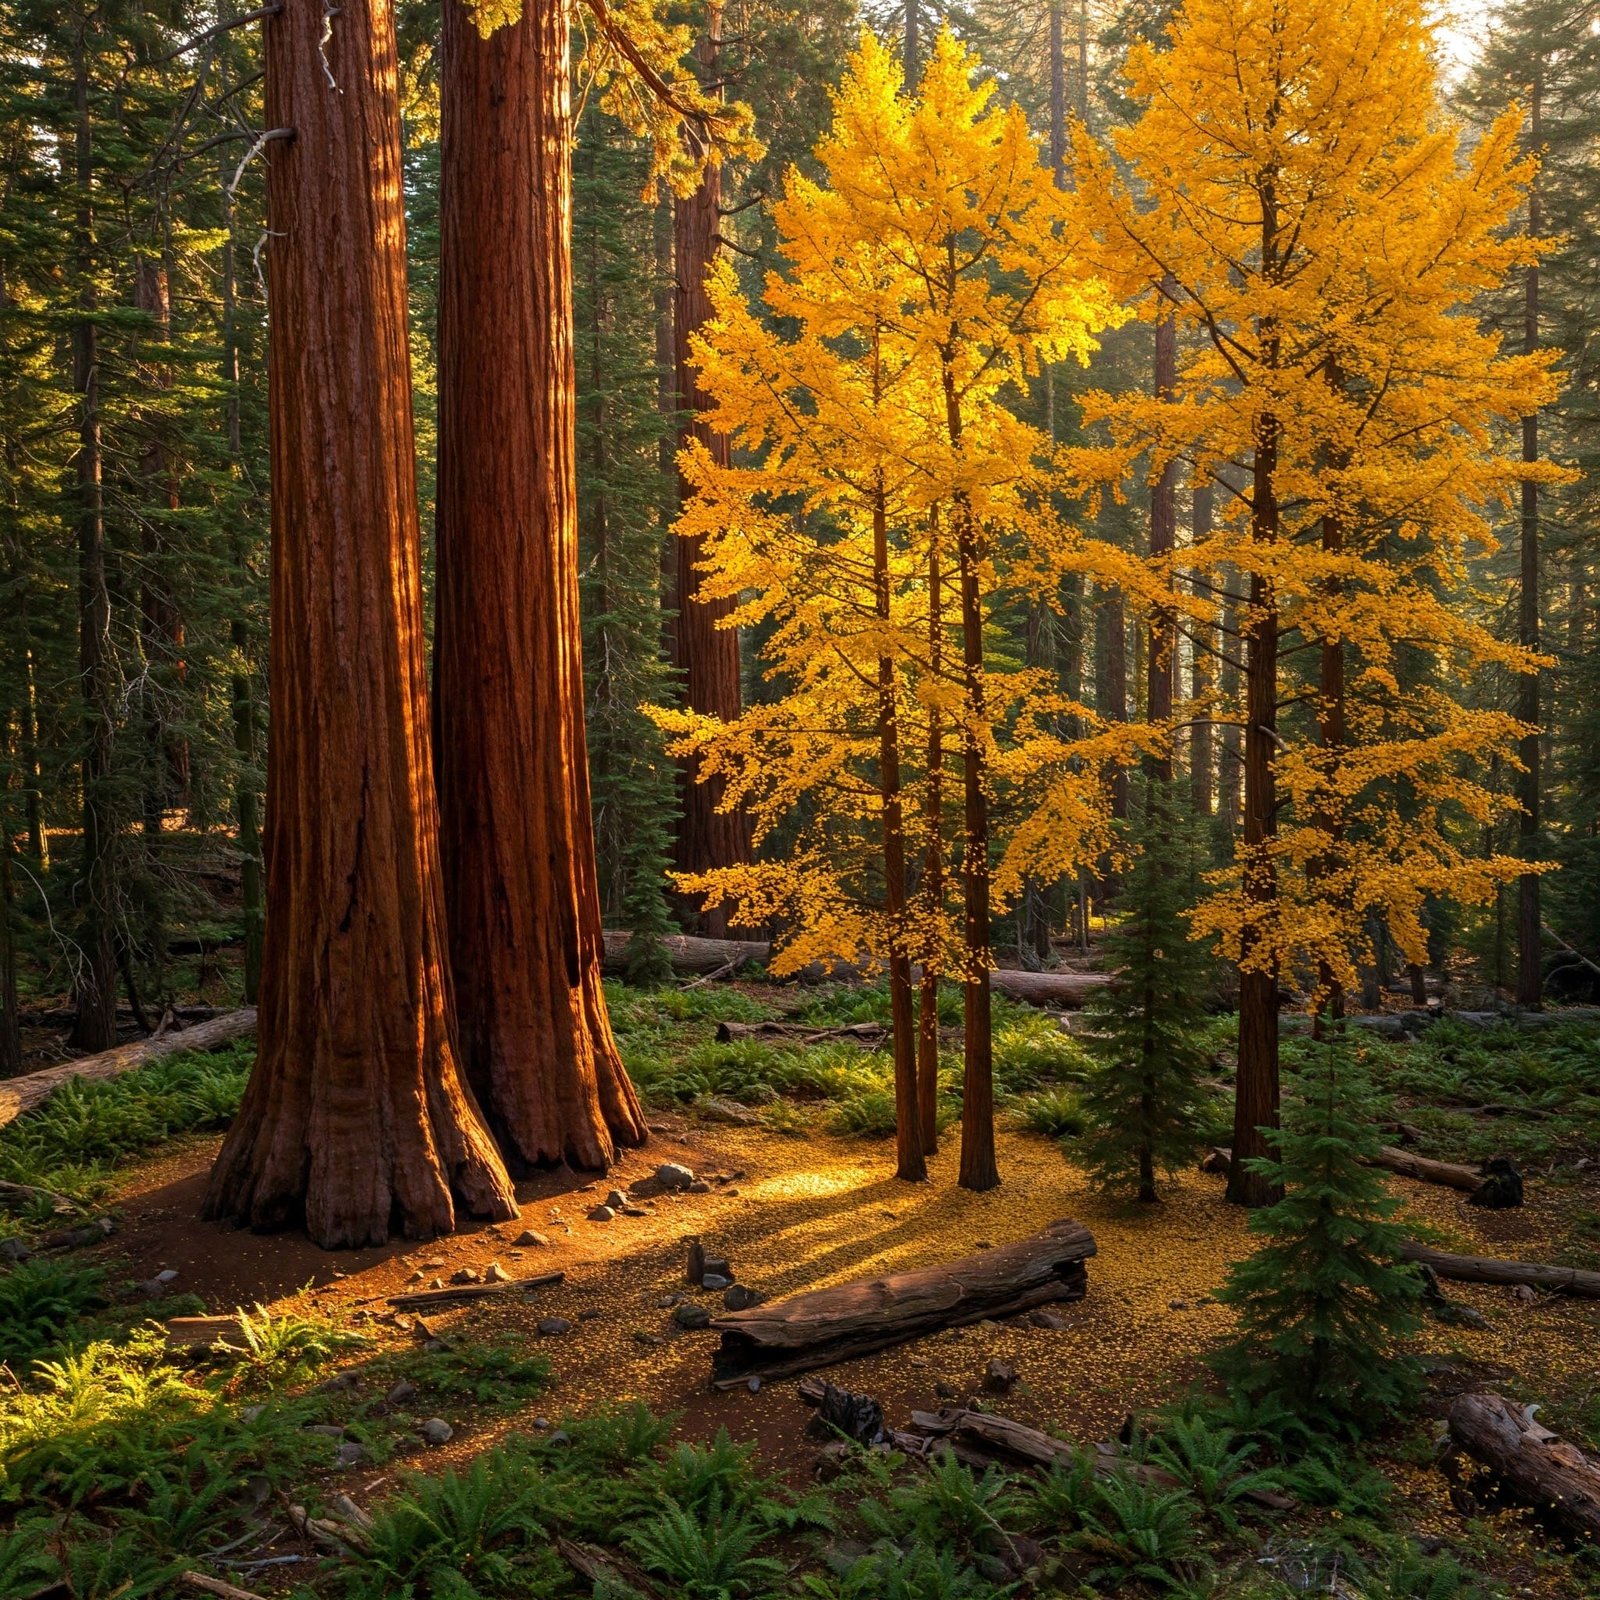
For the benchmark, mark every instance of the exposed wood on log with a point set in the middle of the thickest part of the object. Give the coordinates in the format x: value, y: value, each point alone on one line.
x: 216, y: 1586
x: 473, y: 1291
x: 689, y: 954
x: 599, y: 1567
x: 1490, y: 1269
x: 821, y: 1327
x: 869, y: 1035
x: 1536, y: 1465
x: 23, y: 1094
x: 25, y: 1192
x: 195, y: 1333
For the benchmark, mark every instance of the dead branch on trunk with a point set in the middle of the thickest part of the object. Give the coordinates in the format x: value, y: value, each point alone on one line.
x: 817, y: 1329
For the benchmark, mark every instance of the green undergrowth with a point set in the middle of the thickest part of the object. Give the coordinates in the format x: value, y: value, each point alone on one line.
x: 74, y: 1142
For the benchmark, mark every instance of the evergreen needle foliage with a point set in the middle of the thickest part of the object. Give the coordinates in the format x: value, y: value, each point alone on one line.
x: 1326, y: 1302
x: 1143, y: 1107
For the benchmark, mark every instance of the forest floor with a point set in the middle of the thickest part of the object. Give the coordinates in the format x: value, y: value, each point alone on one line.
x: 797, y: 1201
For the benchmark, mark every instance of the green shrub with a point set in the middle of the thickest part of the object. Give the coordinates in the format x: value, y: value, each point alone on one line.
x: 1055, y: 1113
x: 39, y: 1303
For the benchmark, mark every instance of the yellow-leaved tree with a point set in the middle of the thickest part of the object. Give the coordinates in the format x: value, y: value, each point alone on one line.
x: 1321, y: 235
x: 889, y: 489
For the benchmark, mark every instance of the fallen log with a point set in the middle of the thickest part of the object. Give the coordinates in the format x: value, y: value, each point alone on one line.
x: 1486, y: 1186
x: 1536, y: 1465
x: 1052, y: 990
x: 199, y: 1333
x: 817, y: 1329
x: 473, y: 1291
x: 205, y: 1584
x: 1491, y: 1269
x: 604, y: 1572
x: 33, y: 1088
x: 689, y: 954
x: 869, y: 1035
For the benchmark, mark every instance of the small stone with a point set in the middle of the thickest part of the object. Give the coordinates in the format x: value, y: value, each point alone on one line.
x: 944, y: 1391
x: 698, y: 1186
x: 528, y: 1239
x: 552, y: 1327
x: 495, y: 1273
x: 349, y: 1454
x: 152, y: 1289
x: 1524, y: 1292
x: 416, y: 1277
x: 616, y: 1199
x: 340, y: 1381
x: 740, y: 1297
x: 436, y: 1347
x: 670, y: 1175
x: 436, y: 1283
x: 999, y: 1377
x: 717, y: 1109
x: 642, y: 1336
x: 601, y: 1213
x: 436, y: 1431
x: 688, y: 1316
x: 737, y: 1175
x: 715, y: 1282
x: 732, y: 1193
x: 561, y: 1436
x: 250, y: 1413
x: 541, y: 1423
x: 634, y: 1211
x: 1177, y: 1305
x: 1053, y: 1320
x: 328, y: 1430
x: 464, y: 1275
x: 665, y: 1302
x: 754, y: 1385
x: 588, y: 1314
x: 14, y: 1250
x: 167, y: 1275
x: 402, y: 1394
x: 423, y: 1328
x: 435, y: 1264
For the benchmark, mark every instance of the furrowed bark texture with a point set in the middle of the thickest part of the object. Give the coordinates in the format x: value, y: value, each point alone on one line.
x: 517, y: 837
x: 356, y: 1119
x: 705, y: 654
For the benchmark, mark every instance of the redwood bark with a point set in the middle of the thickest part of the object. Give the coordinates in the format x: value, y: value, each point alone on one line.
x: 356, y: 1119
x: 705, y: 654
x: 517, y: 835
x: 932, y: 864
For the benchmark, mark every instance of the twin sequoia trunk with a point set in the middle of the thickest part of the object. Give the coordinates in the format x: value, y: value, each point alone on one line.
x: 517, y: 841
x: 356, y: 1117
x: 705, y: 655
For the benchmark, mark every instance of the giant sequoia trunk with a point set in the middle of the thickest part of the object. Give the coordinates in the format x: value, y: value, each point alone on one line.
x: 517, y: 835
x: 356, y: 1118
x: 705, y: 654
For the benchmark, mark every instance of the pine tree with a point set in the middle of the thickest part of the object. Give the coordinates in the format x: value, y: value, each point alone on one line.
x: 1327, y: 1301
x: 1143, y: 1104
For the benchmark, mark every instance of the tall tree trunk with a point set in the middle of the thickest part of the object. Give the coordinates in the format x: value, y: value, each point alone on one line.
x: 96, y: 997
x: 1161, y: 651
x: 1202, y: 741
x: 910, y: 1163
x: 1530, y: 983
x: 932, y: 864
x: 10, y: 1026
x: 978, y: 1170
x: 356, y: 1117
x: 517, y: 835
x: 705, y: 654
x: 1332, y: 737
x: 912, y: 62
x: 161, y: 624
x: 246, y: 800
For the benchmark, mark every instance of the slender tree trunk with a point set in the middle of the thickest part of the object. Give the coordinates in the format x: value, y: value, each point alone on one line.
x: 1202, y: 742
x: 1114, y: 698
x: 705, y: 654
x: 517, y: 836
x: 1256, y: 1081
x: 10, y: 1026
x: 356, y: 1117
x: 910, y: 1162
x: 1530, y: 983
x: 1161, y: 651
x: 161, y: 624
x: 246, y: 798
x: 1332, y: 736
x: 932, y: 864
x: 96, y: 1025
x: 912, y: 62
x: 978, y: 1170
